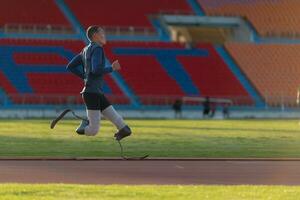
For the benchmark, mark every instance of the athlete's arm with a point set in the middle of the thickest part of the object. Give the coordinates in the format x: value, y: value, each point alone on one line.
x: 75, y: 66
x: 98, y: 63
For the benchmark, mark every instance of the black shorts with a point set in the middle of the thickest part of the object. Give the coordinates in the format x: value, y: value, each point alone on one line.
x: 206, y: 111
x: 95, y: 101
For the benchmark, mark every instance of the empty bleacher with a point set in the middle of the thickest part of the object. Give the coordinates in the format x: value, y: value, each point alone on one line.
x: 33, y: 68
x: 32, y: 12
x: 269, y: 17
x: 74, y: 46
x: 272, y: 68
x: 213, y: 77
x: 129, y: 13
x: 39, y: 59
x: 6, y: 85
x: 145, y: 75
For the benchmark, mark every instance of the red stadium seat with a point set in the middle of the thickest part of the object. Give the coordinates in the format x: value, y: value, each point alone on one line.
x: 272, y: 68
x: 40, y: 12
x: 6, y: 84
x: 124, y: 13
x: 51, y: 85
x: 143, y: 73
x: 269, y: 18
x: 149, y: 80
x: 213, y: 77
x: 40, y: 59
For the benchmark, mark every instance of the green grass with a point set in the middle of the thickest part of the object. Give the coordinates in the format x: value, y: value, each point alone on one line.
x: 159, y: 138
x: 108, y: 192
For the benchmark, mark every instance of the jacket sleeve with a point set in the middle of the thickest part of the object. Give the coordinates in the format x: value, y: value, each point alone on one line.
x: 76, y: 66
x: 98, y: 63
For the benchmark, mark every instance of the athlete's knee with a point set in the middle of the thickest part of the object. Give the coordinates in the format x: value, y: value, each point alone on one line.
x: 94, y: 119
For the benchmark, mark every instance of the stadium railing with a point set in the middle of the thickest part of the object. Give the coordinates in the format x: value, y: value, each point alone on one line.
x: 52, y: 99
x: 148, y: 100
x: 61, y: 29
x: 129, y: 30
x: 175, y: 12
x: 38, y: 29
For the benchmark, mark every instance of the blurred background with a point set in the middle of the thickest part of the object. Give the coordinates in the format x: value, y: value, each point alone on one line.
x: 180, y: 58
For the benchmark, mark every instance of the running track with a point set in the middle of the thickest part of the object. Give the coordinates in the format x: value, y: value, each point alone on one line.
x: 156, y: 171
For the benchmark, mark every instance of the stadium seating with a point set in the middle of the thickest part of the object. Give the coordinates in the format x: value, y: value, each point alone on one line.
x: 148, y: 77
x: 33, y: 70
x: 39, y: 12
x: 39, y: 59
x: 37, y: 67
x: 269, y: 17
x: 124, y: 13
x: 213, y: 77
x: 143, y: 73
x: 74, y: 46
x: 150, y: 69
x: 6, y: 84
x: 272, y: 68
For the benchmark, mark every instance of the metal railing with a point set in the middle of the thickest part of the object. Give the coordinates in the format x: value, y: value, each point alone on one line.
x: 61, y: 29
x: 175, y: 12
x: 38, y: 29
x: 53, y: 99
x: 129, y: 30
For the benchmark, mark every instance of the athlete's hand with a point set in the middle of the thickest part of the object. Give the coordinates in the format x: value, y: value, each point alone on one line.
x: 116, y: 65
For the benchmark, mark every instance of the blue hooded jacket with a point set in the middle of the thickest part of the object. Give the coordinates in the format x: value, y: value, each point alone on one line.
x: 89, y: 65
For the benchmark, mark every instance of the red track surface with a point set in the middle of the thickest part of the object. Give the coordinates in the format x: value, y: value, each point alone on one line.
x: 151, y: 172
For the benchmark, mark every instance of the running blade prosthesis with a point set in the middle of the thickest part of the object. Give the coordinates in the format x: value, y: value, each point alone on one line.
x: 61, y: 116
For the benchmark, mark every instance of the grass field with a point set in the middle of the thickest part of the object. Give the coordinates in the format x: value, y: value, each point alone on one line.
x: 87, y: 192
x: 159, y: 138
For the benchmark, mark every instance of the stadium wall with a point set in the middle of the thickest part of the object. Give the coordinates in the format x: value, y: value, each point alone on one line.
x: 196, y: 113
